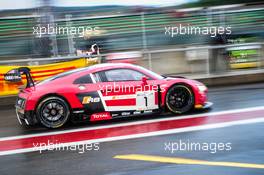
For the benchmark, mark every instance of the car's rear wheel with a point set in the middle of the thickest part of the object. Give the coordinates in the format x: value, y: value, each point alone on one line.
x: 179, y: 99
x: 53, y: 112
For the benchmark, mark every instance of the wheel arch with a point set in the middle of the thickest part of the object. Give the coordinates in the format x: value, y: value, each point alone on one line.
x: 184, y: 84
x: 179, y: 83
x: 51, y: 95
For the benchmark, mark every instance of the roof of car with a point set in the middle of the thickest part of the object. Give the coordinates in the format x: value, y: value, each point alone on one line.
x: 110, y: 65
x: 105, y: 66
x: 89, y: 69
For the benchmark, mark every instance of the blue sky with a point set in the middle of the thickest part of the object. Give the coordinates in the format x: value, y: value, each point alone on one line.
x: 18, y: 4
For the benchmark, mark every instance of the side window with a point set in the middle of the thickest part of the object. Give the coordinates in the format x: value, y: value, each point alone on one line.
x: 86, y: 79
x: 123, y: 75
x: 97, y: 77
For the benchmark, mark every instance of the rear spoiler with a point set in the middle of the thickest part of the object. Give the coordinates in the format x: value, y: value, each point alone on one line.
x: 14, y: 75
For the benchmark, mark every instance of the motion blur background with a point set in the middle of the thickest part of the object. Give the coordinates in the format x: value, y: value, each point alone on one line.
x: 134, y: 31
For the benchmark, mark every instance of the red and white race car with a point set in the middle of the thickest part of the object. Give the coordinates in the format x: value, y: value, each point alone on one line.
x: 103, y: 92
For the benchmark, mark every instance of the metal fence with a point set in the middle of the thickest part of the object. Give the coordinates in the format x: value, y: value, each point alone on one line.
x: 121, y: 32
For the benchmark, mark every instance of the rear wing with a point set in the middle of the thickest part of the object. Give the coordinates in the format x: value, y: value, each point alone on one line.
x: 15, y: 75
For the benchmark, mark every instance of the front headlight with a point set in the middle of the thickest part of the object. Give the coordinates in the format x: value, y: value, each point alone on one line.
x: 202, y: 88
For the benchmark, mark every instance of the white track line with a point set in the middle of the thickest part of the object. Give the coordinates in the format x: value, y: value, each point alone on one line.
x: 134, y: 123
x: 134, y: 136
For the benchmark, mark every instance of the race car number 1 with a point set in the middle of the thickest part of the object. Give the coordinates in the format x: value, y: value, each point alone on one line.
x: 145, y: 100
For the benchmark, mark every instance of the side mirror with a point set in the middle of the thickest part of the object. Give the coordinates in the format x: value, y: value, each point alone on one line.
x: 13, y: 76
x: 144, y: 80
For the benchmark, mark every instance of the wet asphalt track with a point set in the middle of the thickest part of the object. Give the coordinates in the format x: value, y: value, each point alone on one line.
x: 247, y: 145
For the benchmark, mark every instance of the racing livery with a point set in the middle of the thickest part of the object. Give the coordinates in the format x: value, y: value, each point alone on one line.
x: 103, y: 92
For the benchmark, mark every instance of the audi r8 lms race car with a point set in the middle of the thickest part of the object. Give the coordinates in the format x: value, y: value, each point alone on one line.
x: 102, y: 92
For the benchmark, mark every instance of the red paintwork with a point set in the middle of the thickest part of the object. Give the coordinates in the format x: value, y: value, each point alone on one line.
x: 124, y: 102
x: 64, y: 86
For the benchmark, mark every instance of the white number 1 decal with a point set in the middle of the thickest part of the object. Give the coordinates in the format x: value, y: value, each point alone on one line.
x: 145, y: 100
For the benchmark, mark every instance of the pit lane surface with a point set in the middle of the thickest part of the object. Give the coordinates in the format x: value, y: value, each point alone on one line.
x: 247, y: 145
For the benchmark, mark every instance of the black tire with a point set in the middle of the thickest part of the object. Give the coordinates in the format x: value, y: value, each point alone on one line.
x: 53, y: 112
x: 179, y: 99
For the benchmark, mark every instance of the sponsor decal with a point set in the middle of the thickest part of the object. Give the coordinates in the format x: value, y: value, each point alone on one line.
x: 13, y: 76
x: 89, y: 99
x: 119, y: 97
x: 81, y: 87
x: 148, y: 111
x: 78, y: 112
x: 125, y: 113
x: 137, y: 112
x: 100, y: 116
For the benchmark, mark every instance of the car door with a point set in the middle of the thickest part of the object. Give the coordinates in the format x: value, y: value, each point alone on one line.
x: 87, y: 94
x: 122, y: 90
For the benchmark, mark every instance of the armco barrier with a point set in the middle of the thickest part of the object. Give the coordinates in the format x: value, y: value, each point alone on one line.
x: 40, y: 72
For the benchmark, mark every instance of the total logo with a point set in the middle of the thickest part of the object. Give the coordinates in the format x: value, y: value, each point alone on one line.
x: 100, y: 116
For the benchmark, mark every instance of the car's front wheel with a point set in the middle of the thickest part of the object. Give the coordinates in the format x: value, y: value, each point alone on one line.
x: 53, y: 112
x: 179, y: 99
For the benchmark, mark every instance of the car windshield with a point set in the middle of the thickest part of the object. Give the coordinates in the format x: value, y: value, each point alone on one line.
x: 157, y: 76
